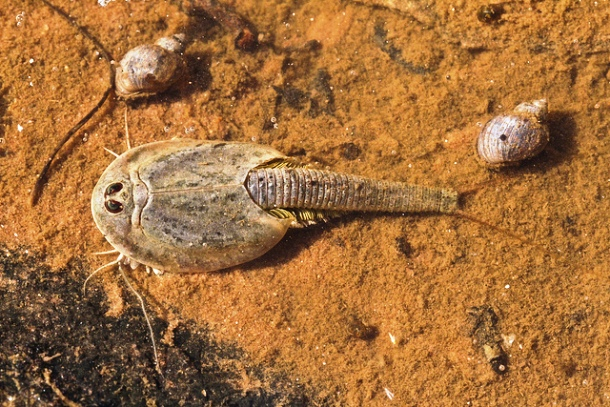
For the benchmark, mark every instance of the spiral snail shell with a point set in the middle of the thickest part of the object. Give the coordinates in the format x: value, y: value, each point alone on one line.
x: 516, y: 136
x: 150, y: 68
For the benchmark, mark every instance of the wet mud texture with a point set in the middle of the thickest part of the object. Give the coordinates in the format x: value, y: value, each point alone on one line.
x: 59, y: 347
x: 364, y: 308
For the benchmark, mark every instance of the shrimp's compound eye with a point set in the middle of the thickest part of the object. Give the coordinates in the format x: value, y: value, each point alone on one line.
x: 113, y: 206
x: 114, y: 188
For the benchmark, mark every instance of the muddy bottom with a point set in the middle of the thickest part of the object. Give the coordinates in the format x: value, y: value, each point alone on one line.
x: 404, y: 309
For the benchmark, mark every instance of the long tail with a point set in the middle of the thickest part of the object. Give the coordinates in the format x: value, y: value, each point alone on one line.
x: 302, y: 188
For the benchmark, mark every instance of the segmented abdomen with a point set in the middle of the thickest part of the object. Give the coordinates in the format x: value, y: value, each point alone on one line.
x: 303, y: 188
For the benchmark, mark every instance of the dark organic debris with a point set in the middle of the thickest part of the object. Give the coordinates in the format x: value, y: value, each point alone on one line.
x: 4, y: 104
x: 293, y: 97
x: 490, y: 13
x: 358, y: 329
x: 320, y: 98
x: 60, y: 348
x: 403, y: 246
x: 246, y: 36
x: 483, y: 321
x: 322, y: 87
x: 349, y: 151
x: 395, y: 54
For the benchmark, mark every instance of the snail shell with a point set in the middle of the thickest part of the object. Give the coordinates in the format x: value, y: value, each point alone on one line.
x: 516, y: 136
x: 151, y: 68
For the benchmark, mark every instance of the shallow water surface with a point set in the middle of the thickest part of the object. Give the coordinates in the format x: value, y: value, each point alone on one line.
x: 366, y: 309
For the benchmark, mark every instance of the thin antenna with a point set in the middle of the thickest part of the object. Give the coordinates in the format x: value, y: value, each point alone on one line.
x: 474, y: 219
x: 112, y: 263
x: 127, y: 131
x: 111, y: 152
x: 150, y: 329
x: 106, y: 252
x: 119, y: 262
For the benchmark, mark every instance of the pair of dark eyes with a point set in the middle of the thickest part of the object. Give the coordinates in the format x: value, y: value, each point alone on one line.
x: 111, y: 205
